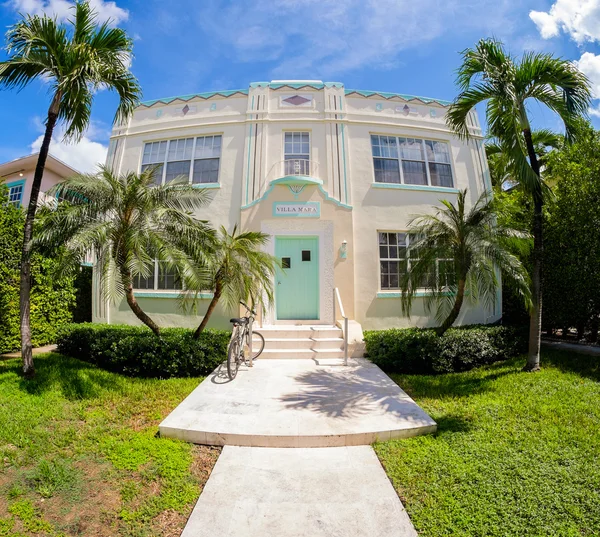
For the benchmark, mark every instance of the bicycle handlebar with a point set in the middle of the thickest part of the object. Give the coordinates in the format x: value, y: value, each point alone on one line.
x: 247, y: 307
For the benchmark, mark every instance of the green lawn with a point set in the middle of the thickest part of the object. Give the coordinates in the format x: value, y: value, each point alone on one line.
x: 516, y: 454
x: 79, y: 453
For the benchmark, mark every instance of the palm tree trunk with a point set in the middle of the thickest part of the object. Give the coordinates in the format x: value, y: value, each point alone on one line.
x: 458, y: 302
x: 133, y: 303
x: 535, y: 322
x: 210, y: 309
x: 25, y: 274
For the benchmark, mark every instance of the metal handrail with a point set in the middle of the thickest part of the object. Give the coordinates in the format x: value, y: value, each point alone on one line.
x: 337, y: 299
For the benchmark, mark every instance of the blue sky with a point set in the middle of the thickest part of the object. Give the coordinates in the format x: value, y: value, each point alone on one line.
x: 187, y: 46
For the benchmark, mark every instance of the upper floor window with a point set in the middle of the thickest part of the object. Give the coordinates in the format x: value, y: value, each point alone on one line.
x: 395, y: 257
x: 194, y: 158
x: 15, y: 193
x: 411, y: 161
x: 296, y: 153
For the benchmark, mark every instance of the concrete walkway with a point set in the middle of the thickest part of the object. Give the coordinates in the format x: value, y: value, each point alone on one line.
x: 592, y: 350
x: 37, y: 350
x: 332, y: 483
x: 319, y: 492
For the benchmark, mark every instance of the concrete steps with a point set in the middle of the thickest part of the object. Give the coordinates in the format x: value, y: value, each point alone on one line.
x: 283, y: 342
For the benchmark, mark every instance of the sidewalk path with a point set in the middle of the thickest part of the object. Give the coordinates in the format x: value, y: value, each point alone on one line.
x: 299, y: 492
x: 297, y: 460
x: 573, y: 347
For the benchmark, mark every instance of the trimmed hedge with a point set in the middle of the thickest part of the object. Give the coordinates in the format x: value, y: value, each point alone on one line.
x: 420, y: 350
x: 137, y: 352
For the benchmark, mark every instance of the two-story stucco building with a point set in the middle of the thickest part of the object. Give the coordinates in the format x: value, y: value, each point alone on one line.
x: 17, y: 176
x: 332, y: 175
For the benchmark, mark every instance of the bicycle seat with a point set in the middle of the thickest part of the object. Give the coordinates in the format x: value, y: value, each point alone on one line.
x: 240, y: 320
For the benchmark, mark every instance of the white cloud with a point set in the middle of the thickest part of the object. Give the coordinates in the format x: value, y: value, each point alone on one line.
x: 84, y: 156
x: 589, y: 65
x: 580, y: 19
x: 323, y: 38
x: 62, y: 9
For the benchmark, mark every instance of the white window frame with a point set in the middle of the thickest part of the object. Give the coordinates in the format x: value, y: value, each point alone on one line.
x: 155, y: 286
x: 400, y: 159
x: 400, y: 259
x: 165, y: 161
x: 295, y: 131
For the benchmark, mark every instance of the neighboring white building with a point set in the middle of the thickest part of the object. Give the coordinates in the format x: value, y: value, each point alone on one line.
x: 17, y: 176
x: 333, y: 175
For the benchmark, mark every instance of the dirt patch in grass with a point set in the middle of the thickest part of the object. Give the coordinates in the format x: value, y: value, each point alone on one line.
x: 79, y: 454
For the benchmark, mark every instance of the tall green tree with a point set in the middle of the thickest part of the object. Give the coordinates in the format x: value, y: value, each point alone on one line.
x: 572, y: 253
x: 128, y: 222
x: 239, y: 268
x: 500, y: 160
x: 74, y: 60
x: 456, y: 252
x: 507, y: 85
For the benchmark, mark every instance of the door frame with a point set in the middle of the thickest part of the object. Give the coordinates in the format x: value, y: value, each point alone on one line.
x: 292, y: 236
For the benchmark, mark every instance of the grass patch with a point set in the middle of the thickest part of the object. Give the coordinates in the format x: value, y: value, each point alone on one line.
x: 516, y: 454
x: 81, y: 456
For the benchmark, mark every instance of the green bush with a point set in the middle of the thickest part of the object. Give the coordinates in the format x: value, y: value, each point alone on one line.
x: 51, y: 298
x: 420, y: 350
x: 137, y: 352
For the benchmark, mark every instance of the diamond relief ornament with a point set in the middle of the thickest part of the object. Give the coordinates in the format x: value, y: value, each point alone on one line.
x: 296, y: 100
x: 185, y: 109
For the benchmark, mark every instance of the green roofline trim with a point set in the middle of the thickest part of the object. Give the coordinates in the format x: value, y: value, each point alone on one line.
x: 386, y: 95
x: 295, y: 86
x: 205, y: 95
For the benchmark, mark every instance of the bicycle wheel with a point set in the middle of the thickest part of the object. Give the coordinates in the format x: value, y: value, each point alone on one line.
x: 233, y: 358
x: 258, y: 344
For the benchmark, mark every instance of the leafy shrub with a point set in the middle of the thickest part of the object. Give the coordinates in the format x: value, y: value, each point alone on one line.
x: 420, y: 350
x: 51, y: 298
x: 136, y: 351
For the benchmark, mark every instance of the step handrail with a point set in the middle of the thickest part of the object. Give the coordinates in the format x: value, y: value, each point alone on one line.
x: 337, y: 300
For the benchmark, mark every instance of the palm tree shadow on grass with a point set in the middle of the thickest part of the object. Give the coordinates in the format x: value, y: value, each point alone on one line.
x: 584, y: 365
x: 76, y: 380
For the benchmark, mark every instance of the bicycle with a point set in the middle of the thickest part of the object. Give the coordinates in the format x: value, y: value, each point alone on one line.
x: 240, y: 338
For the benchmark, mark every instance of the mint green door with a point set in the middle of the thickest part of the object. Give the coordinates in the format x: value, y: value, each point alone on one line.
x: 297, y: 282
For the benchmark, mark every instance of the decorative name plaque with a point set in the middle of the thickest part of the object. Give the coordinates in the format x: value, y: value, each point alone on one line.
x: 308, y: 209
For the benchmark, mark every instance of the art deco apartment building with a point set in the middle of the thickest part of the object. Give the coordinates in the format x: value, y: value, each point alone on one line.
x: 333, y: 175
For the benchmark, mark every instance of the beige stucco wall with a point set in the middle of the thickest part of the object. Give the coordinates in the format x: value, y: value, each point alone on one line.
x: 351, y: 208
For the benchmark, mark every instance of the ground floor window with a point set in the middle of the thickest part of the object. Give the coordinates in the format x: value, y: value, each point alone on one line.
x: 396, y: 256
x: 162, y: 278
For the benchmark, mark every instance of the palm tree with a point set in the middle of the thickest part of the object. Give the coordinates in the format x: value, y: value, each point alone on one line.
x: 127, y: 222
x: 502, y: 167
x: 507, y: 85
x: 238, y: 269
x: 455, y: 253
x: 75, y: 61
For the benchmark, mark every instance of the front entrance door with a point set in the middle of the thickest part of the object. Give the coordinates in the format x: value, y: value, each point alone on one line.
x: 297, y: 282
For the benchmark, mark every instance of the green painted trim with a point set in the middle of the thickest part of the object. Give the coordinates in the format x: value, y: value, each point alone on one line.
x: 297, y: 180
x: 206, y: 185
x: 249, y: 148
x: 387, y: 95
x: 315, y: 204
x: 393, y: 294
x: 168, y: 294
x: 205, y: 95
x: 87, y: 264
x: 423, y: 188
x: 320, y: 187
x: 344, y: 158
x: 20, y: 182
